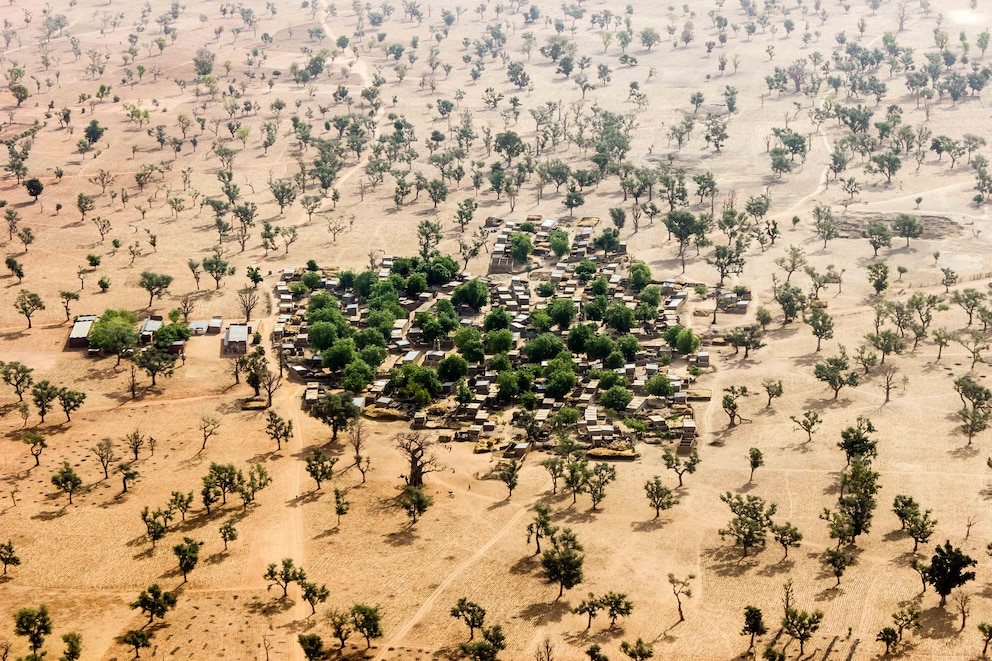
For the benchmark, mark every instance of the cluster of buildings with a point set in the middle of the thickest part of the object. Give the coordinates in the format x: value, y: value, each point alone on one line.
x: 482, y: 420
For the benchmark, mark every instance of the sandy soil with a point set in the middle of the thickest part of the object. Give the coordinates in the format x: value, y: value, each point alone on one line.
x: 88, y: 561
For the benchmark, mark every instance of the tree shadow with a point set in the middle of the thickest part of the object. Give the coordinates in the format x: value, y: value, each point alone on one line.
x: 542, y: 612
x: 783, y: 566
x: 728, y: 561
x: 404, y: 537
x: 587, y: 637
x: 937, y: 622
x: 525, y: 565
x: 268, y: 608
x: 650, y: 524
x: 49, y: 515
x: 216, y: 558
x: 964, y: 452
x: 577, y: 516
x: 330, y: 532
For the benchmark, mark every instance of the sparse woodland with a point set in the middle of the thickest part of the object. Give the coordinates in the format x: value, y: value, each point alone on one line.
x: 825, y: 161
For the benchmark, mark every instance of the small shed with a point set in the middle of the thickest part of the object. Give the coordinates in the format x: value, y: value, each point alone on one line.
x: 79, y: 336
x: 216, y: 325
x: 517, y: 451
x: 235, y: 340
x: 148, y: 327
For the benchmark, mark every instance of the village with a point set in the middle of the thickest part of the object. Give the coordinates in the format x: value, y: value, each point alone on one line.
x: 481, y: 419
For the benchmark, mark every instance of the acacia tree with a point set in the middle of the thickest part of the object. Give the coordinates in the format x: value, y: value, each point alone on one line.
x: 155, y: 602
x: 563, y: 562
x: 28, y: 303
x: 541, y: 526
x: 471, y: 613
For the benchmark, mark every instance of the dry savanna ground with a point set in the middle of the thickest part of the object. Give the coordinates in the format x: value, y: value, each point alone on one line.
x: 88, y: 561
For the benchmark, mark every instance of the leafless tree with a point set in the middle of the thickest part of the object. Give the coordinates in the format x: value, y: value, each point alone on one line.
x: 186, y: 305
x: 135, y: 441
x: 890, y: 379
x: 270, y: 382
x: 962, y: 601
x: 418, y: 450
x: 546, y: 652
x: 248, y: 300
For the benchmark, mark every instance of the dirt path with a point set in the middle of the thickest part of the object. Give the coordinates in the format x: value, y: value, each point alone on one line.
x: 428, y: 605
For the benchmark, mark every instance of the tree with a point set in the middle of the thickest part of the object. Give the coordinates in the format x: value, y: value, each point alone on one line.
x: 617, y: 605
x: 473, y: 293
x: 417, y: 450
x: 509, y: 474
x: 520, y: 246
x: 43, y: 394
x: 156, y: 284
x: 66, y: 480
x: 754, y: 624
x: 314, y: 594
x: 248, y: 299
x: 67, y: 298
x: 73, y: 646
x: 541, y: 526
x: 312, y: 645
x: 284, y: 576
x: 429, y: 234
x: 920, y: 528
x: 70, y: 400
x: 27, y: 303
x: 673, y: 463
x: 137, y: 639
x: 660, y: 496
x: 888, y: 637
x: 218, y: 268
x: 37, y: 443
x: 188, y: 554
x: 879, y: 235
x: 334, y: 410
x: 836, y: 373
x: 209, y: 427
x: 114, y: 332
x: 228, y: 533
x: 563, y: 562
x: 33, y: 624
x: 128, y: 474
x: 154, y: 602
x: 414, y: 502
x: 801, y: 625
x: 154, y: 361
x: 680, y: 588
x: 367, y: 620
x: 838, y: 560
x: 908, y: 227
x: 34, y: 187
x: 649, y: 38
x: 948, y: 570
x: 471, y: 613
x: 8, y: 557
x: 756, y: 460
x: 906, y: 618
x: 986, y: 631
x: 85, y: 204
x: 18, y: 376
x: 320, y: 467
x: 602, y: 474
x: 279, y: 429
x: 637, y: 651
x: 752, y: 518
x: 589, y: 607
